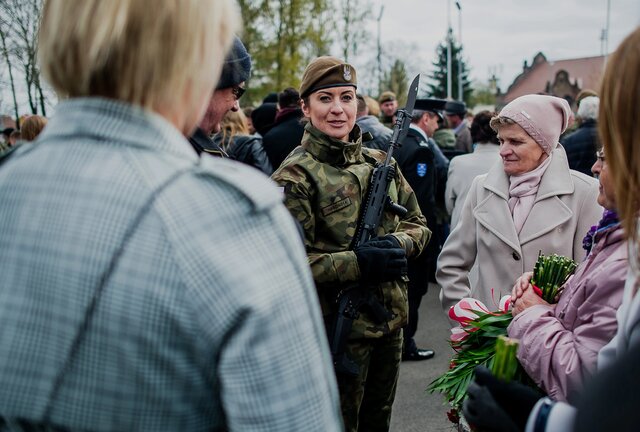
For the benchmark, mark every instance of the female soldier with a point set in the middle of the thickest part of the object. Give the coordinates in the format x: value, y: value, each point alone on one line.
x: 325, y: 182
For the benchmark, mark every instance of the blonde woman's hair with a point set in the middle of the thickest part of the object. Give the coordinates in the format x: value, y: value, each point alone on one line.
x: 619, y: 128
x: 145, y: 52
x: 32, y: 127
x: 233, y: 123
x: 373, y: 105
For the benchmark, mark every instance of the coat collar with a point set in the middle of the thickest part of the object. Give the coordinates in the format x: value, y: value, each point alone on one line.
x: 555, y: 181
x: 494, y: 214
x: 331, y: 150
x: 418, y: 132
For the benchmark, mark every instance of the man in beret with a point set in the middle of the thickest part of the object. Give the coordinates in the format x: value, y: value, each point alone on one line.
x: 235, y: 72
x: 388, y: 105
x: 423, y: 165
x: 456, y: 112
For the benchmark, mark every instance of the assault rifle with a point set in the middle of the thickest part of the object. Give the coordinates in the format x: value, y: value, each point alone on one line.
x: 353, y: 299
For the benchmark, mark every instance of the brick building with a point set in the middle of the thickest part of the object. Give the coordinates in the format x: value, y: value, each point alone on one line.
x: 562, y: 78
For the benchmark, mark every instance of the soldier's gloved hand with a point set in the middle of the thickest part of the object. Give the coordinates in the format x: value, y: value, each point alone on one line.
x: 396, y: 243
x: 380, y: 260
x: 393, y: 239
x: 489, y: 397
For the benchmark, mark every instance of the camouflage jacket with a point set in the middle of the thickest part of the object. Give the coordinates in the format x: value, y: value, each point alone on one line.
x: 325, y: 182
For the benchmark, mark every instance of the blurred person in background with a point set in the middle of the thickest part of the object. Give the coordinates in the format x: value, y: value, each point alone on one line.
x: 286, y: 132
x: 32, y: 127
x: 582, y: 144
x: 418, y: 161
x: 373, y: 106
x: 263, y: 116
x: 456, y: 111
x: 235, y: 140
x: 380, y: 134
x: 464, y: 168
x: 388, y: 107
x: 247, y: 113
x: 145, y: 287
x: 15, y: 136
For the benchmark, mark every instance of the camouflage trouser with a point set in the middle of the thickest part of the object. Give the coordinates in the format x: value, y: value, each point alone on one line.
x: 366, y: 400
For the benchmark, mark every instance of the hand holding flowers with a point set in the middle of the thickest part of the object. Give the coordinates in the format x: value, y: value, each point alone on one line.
x: 474, y: 341
x: 523, y: 295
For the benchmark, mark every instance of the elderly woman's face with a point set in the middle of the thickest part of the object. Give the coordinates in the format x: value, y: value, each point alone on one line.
x: 519, y: 152
x: 606, y: 192
x: 333, y: 111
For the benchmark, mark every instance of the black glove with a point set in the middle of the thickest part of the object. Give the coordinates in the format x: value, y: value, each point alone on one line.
x: 380, y: 260
x: 393, y: 239
x: 483, y: 413
x: 511, y: 398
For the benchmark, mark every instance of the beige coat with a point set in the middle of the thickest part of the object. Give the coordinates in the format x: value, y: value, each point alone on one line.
x: 485, y: 245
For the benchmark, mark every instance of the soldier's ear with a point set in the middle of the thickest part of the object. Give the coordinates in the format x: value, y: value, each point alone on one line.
x: 304, y: 104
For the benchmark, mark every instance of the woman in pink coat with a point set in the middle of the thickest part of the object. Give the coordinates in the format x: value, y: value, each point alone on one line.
x: 559, y: 344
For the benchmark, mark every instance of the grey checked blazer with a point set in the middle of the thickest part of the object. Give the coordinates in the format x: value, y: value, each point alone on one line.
x: 208, y: 317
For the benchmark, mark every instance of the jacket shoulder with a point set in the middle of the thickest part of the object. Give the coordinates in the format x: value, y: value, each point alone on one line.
x: 243, y: 179
x: 296, y: 166
x: 375, y: 154
x: 583, y: 181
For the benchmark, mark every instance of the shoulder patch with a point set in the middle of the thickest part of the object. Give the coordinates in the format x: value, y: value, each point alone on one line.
x: 259, y: 189
x: 421, y: 169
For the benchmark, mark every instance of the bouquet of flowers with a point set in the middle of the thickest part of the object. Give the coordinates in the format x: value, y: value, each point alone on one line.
x: 474, y: 341
x: 474, y: 344
x: 549, y: 275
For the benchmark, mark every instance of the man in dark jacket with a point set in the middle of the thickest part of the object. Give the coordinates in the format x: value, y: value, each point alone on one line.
x: 368, y: 123
x: 419, y: 159
x: 456, y: 112
x: 235, y: 72
x: 286, y: 133
x: 581, y: 145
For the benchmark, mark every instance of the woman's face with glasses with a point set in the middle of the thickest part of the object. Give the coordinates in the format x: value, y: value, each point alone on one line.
x: 600, y: 169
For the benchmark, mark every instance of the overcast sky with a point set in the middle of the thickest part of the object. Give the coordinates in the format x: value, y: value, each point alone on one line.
x: 500, y: 34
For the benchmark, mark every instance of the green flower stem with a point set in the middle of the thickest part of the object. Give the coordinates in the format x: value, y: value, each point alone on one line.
x: 505, y: 362
x: 550, y: 273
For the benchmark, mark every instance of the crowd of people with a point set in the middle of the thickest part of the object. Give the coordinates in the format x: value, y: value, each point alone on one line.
x: 174, y: 262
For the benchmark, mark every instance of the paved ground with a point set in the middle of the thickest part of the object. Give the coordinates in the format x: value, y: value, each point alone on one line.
x: 416, y: 410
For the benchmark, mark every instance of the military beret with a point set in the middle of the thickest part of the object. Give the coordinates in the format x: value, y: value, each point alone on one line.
x: 386, y: 96
x: 326, y: 72
x: 455, y: 108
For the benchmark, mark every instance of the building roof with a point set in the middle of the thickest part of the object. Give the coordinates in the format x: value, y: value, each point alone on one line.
x: 585, y: 72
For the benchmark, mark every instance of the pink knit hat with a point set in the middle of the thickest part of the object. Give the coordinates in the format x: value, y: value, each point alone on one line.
x: 544, y: 118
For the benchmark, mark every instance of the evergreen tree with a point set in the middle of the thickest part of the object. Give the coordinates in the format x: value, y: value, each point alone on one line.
x: 438, y: 85
x: 396, y: 80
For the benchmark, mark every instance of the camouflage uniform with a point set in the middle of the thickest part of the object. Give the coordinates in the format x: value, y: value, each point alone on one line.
x: 325, y: 181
